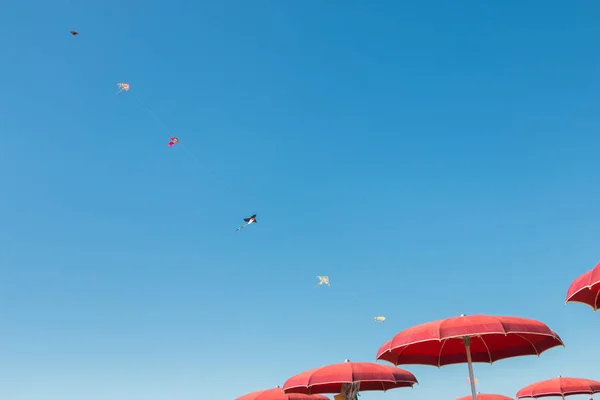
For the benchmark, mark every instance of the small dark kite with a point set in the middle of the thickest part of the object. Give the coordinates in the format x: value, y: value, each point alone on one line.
x: 248, y: 221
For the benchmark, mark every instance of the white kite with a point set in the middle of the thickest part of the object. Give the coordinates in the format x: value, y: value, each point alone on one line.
x: 323, y: 280
x: 379, y: 319
x: 123, y: 86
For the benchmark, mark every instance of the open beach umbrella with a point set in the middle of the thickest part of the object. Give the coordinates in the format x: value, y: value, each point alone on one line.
x: 559, y: 387
x: 348, y: 378
x: 278, y: 394
x: 483, y: 396
x: 586, y: 289
x: 476, y: 338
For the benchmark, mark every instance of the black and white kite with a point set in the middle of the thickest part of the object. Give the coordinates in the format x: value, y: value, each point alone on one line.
x: 248, y: 221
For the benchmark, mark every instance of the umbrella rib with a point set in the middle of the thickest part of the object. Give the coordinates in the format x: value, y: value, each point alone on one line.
x: 460, y: 336
x: 581, y: 302
x: 398, y: 354
x: 440, y: 353
x: 529, y: 341
x: 488, y: 349
x: 596, y: 301
x: 585, y: 287
x: 579, y: 290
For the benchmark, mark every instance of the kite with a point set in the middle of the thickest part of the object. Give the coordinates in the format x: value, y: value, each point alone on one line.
x: 379, y: 319
x: 74, y: 33
x: 123, y: 86
x: 173, y: 141
x: 323, y: 280
x: 248, y: 221
x: 474, y: 380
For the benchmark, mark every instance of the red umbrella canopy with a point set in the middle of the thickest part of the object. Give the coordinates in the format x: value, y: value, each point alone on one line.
x: 490, y: 338
x: 482, y: 396
x: 586, y: 289
x: 278, y: 394
x: 560, y: 387
x: 329, y: 379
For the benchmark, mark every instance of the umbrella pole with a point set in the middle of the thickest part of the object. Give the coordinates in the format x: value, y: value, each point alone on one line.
x: 467, y: 342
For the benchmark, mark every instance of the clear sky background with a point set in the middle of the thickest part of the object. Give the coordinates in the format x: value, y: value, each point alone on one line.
x: 432, y: 157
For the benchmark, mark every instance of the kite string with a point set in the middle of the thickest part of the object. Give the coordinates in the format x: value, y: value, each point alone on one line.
x: 152, y: 113
x: 211, y: 176
x: 192, y: 156
x: 179, y: 144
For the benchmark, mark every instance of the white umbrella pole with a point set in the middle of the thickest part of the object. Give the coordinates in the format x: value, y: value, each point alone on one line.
x: 467, y: 342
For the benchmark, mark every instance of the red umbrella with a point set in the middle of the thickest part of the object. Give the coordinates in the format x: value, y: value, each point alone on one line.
x: 278, y: 394
x: 482, y: 396
x: 339, y: 378
x: 586, y: 289
x: 476, y: 338
x: 560, y: 387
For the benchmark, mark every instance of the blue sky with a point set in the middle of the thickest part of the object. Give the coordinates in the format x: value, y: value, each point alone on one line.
x: 432, y: 157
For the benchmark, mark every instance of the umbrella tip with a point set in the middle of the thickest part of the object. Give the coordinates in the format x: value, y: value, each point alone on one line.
x: 277, y: 387
x: 346, y: 360
x: 463, y: 315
